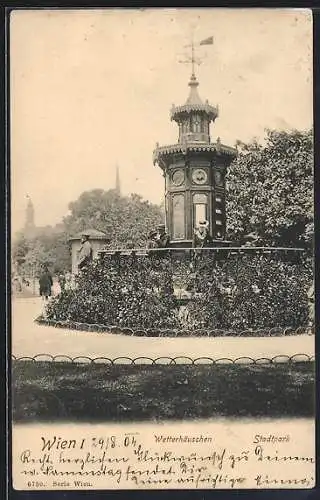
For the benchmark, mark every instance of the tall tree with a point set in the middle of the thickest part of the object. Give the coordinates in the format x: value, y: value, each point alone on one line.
x: 126, y: 219
x: 270, y: 190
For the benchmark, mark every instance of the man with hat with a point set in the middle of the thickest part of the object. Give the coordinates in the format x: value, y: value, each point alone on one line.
x: 201, y: 237
x: 85, y: 252
x: 162, y: 238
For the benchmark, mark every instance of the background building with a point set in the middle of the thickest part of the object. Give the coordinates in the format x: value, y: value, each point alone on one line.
x: 29, y: 225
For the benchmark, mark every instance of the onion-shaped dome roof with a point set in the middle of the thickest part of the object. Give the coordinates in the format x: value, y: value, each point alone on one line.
x: 194, y: 104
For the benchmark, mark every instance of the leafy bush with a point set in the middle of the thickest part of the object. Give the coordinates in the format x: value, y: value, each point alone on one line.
x: 126, y: 294
x: 269, y: 190
x: 237, y: 293
x: 256, y: 292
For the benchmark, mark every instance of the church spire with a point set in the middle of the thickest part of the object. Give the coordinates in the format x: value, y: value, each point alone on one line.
x: 29, y: 225
x: 118, y: 188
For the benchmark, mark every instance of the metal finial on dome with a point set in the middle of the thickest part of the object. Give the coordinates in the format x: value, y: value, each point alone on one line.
x: 195, y: 115
x: 194, y: 97
x: 194, y: 101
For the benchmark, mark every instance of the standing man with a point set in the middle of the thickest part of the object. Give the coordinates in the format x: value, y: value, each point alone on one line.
x: 201, y: 237
x: 162, y: 238
x: 45, y: 283
x: 85, y: 253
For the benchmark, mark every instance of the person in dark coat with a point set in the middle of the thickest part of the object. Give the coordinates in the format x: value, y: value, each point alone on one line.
x: 162, y: 238
x: 45, y: 283
x: 85, y: 253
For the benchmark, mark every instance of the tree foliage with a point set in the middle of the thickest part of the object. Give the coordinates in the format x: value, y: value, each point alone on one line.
x: 270, y: 190
x: 125, y: 219
x: 48, y: 246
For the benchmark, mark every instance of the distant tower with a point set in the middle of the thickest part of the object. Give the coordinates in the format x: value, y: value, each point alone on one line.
x: 29, y: 225
x: 118, y: 189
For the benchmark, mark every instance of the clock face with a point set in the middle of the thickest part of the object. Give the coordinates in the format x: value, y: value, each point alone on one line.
x: 177, y: 177
x: 199, y: 176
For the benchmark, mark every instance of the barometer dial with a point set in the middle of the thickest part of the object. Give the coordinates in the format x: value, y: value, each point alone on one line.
x: 199, y: 176
x: 177, y: 177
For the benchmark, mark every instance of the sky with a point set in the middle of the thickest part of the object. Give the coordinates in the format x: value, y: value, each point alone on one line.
x: 92, y: 89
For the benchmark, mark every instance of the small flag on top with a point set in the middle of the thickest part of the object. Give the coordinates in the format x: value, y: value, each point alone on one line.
x: 207, y: 41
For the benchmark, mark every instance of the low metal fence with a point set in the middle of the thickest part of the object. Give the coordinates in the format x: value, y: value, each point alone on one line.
x: 181, y: 332
x: 164, y: 360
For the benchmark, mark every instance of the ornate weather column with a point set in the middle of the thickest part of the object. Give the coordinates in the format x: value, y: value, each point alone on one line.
x: 194, y: 171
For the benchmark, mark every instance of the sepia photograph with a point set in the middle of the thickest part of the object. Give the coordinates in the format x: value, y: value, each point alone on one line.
x: 162, y: 249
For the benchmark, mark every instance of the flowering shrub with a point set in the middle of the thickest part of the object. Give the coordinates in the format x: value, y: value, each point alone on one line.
x: 123, y: 293
x: 236, y: 293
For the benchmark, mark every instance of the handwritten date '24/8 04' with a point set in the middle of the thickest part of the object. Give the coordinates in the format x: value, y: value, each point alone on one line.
x: 102, y: 443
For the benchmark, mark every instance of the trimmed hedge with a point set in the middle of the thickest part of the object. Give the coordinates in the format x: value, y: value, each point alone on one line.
x: 240, y: 293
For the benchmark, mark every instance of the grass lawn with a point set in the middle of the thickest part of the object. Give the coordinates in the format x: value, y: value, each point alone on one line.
x: 97, y: 392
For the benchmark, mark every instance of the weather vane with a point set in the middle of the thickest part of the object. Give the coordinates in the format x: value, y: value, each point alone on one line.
x: 192, y: 59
